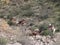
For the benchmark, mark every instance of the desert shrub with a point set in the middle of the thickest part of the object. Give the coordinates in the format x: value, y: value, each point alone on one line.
x: 25, y: 7
x: 57, y: 23
x: 58, y: 28
x: 33, y: 28
x: 25, y: 0
x: 47, y: 32
x: 28, y: 13
x: 44, y: 17
x: 31, y: 24
x: 58, y: 19
x: 3, y: 41
x: 26, y: 10
x: 10, y: 23
x: 1, y: 16
x: 43, y: 27
x: 9, y: 16
x: 44, y: 30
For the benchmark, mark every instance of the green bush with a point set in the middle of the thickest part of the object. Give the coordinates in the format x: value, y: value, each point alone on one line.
x: 44, y: 30
x: 43, y: 27
x: 10, y: 23
x: 58, y: 29
x: 26, y: 10
x: 26, y: 7
x: 57, y: 24
x: 31, y: 24
x: 3, y: 41
x: 1, y: 16
x: 47, y: 32
x: 9, y: 17
x: 33, y: 28
x: 44, y: 17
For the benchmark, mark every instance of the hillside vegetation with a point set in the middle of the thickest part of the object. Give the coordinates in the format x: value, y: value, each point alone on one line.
x: 24, y: 17
x: 39, y: 9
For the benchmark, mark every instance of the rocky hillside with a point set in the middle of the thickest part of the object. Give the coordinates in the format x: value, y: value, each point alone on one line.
x: 26, y: 22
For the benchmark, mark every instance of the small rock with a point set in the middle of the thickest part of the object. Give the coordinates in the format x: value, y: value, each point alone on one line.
x: 51, y: 43
x: 41, y: 43
x: 37, y: 43
x: 43, y: 38
x: 31, y: 38
x: 38, y: 37
x: 54, y: 39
